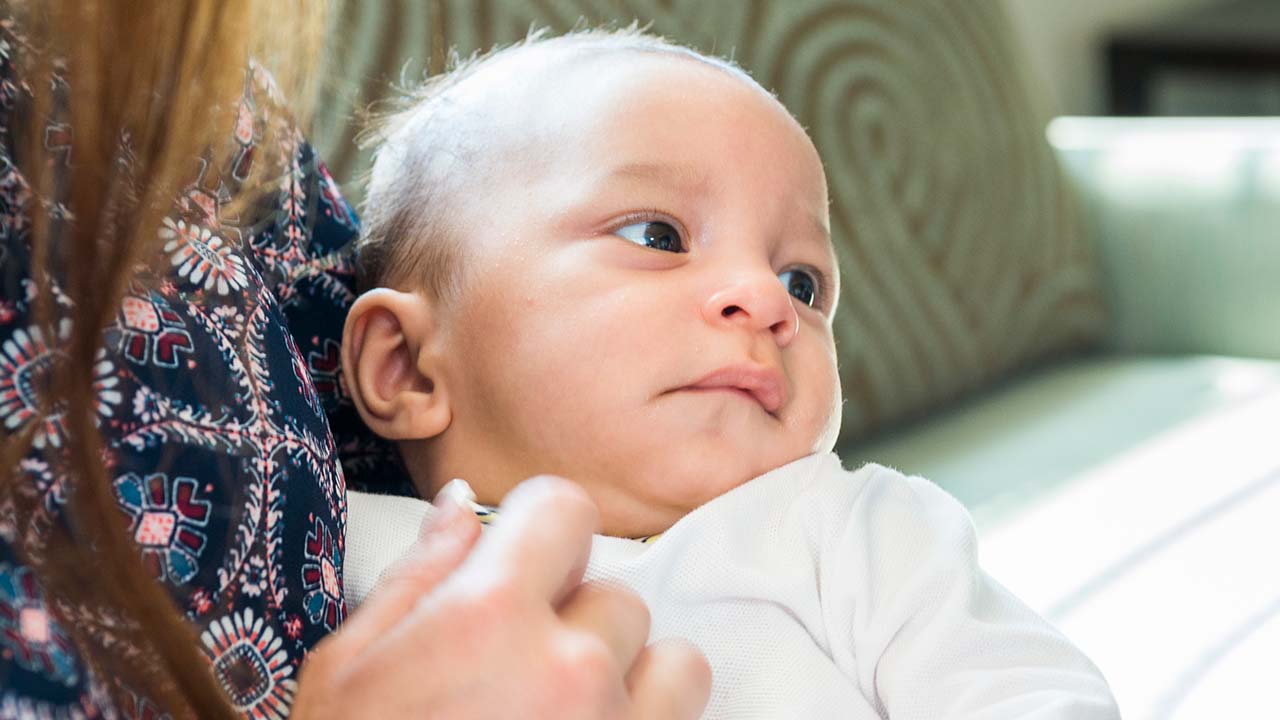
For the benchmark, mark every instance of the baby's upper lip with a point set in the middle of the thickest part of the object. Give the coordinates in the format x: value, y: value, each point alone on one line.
x: 763, y: 383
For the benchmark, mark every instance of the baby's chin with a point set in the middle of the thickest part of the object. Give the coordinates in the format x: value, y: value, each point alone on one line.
x: 653, y: 503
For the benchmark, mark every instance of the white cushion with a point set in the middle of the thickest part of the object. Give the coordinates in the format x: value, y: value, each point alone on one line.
x: 1136, y: 504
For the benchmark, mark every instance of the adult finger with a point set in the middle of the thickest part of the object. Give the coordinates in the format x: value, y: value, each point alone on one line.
x: 444, y: 541
x: 670, y: 679
x: 542, y: 539
x: 617, y: 617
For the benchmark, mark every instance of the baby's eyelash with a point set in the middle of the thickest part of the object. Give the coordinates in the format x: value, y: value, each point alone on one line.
x: 825, y: 286
x: 650, y: 215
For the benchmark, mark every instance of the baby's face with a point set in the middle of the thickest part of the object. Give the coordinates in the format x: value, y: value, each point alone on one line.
x: 648, y: 296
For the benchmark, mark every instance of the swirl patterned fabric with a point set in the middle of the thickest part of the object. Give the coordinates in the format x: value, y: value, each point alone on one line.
x: 961, y: 251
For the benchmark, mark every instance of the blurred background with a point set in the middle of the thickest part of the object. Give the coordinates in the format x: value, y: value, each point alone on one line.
x: 1059, y: 233
x: 1154, y: 57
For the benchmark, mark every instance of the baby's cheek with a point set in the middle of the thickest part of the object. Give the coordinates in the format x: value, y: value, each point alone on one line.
x: 826, y: 439
x: 822, y: 424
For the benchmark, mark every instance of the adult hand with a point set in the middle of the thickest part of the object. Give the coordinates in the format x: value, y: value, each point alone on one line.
x: 502, y: 626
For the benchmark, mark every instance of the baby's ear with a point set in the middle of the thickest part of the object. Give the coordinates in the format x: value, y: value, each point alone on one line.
x: 389, y: 368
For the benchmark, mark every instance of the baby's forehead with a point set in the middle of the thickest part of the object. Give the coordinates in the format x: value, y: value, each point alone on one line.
x: 503, y: 112
x: 515, y: 113
x: 509, y: 79
x: 554, y: 84
x: 544, y: 100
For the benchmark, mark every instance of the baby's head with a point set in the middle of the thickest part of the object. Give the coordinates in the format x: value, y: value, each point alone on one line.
x: 603, y: 257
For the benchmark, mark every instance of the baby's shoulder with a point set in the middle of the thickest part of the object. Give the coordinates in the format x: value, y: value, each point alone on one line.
x: 874, y: 500
x: 825, y: 478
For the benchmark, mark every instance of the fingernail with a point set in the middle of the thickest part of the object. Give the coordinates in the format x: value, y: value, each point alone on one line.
x: 458, y: 492
x: 452, y: 502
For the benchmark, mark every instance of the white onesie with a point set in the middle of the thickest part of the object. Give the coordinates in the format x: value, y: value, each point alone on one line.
x: 820, y: 593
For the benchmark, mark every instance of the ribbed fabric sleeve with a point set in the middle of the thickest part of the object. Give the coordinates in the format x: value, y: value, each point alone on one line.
x: 380, y: 529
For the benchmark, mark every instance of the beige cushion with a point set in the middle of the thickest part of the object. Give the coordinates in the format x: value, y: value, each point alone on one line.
x: 961, y: 254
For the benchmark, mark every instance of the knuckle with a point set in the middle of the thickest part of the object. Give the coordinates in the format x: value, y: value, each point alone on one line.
x: 493, y: 602
x: 585, y: 663
x: 501, y: 594
x: 696, y: 668
x: 632, y: 608
x: 685, y: 660
x: 623, y: 608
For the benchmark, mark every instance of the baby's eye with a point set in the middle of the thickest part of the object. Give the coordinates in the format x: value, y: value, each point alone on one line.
x: 801, y: 285
x: 653, y: 234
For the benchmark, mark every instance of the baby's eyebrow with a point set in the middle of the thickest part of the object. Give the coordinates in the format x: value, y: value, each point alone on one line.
x: 828, y: 245
x: 684, y: 176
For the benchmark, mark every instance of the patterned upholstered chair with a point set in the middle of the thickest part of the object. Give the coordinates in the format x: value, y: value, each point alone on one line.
x: 1052, y: 347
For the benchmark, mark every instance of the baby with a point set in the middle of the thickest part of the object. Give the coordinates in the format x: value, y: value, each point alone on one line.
x: 605, y: 257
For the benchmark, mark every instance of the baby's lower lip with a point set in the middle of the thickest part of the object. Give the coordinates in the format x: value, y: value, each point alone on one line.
x: 725, y: 389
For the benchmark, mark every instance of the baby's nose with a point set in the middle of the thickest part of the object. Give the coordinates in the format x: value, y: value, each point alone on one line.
x: 756, y: 302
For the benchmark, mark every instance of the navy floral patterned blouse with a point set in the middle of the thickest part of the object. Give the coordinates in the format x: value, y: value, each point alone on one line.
x: 229, y: 433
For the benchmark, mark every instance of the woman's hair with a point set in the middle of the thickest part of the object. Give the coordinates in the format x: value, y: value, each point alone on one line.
x: 167, y: 76
x: 432, y: 142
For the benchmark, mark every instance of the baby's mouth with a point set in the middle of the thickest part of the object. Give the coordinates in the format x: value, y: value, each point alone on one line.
x: 764, y: 385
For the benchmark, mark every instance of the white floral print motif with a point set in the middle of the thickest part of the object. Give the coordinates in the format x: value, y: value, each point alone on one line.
x: 203, y: 258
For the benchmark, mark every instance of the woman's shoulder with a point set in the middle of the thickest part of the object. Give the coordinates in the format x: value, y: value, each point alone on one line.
x: 219, y: 401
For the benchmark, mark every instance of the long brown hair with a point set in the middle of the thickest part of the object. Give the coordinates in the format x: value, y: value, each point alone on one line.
x: 165, y: 74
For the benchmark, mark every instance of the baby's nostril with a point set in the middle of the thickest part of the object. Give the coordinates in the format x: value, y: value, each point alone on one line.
x: 730, y: 310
